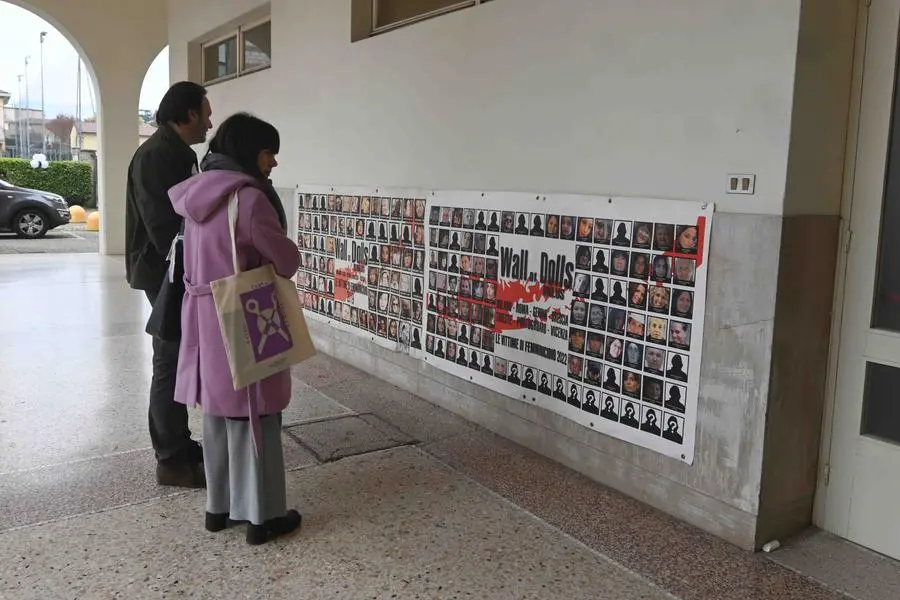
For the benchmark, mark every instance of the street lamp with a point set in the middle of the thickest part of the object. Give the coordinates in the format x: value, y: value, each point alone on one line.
x: 43, y: 114
x: 20, y: 141
x: 27, y: 112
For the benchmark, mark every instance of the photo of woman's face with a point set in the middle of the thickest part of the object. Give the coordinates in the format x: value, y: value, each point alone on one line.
x: 684, y: 269
x: 579, y: 312
x: 659, y: 299
x: 639, y: 266
x: 614, y: 352
x: 642, y: 235
x: 661, y: 267
x: 638, y: 294
x: 654, y: 359
x: 575, y: 366
x: 636, y: 325
x: 687, y: 239
x: 662, y: 238
x: 552, y: 225
x: 680, y: 334
x: 657, y: 329
x: 684, y: 303
x: 576, y: 340
x: 585, y: 228
x: 631, y: 383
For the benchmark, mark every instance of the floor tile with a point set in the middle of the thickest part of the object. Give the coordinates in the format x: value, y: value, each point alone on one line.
x: 841, y: 565
x: 687, y: 562
x: 79, y: 487
x: 308, y: 404
x: 409, y: 413
x: 334, y: 439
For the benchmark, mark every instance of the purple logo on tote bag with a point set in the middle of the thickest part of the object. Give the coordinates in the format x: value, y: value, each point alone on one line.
x: 265, y: 321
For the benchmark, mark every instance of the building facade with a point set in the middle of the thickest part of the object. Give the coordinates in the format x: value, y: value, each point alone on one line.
x: 794, y: 416
x: 637, y: 100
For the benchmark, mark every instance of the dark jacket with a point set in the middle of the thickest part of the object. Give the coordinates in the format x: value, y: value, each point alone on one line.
x: 151, y: 223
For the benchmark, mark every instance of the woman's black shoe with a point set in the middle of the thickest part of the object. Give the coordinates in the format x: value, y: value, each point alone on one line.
x: 283, y: 525
x: 260, y: 534
x: 216, y: 522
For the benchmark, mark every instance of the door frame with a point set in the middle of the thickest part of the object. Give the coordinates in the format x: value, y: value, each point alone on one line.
x: 832, y: 507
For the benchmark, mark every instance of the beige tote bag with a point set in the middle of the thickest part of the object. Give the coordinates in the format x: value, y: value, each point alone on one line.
x: 261, y: 318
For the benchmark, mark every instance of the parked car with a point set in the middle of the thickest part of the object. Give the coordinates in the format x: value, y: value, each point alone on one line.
x: 31, y: 213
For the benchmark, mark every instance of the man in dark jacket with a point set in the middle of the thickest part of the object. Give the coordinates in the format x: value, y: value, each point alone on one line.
x: 151, y: 225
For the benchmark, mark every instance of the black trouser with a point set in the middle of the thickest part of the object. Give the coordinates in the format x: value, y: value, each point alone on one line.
x: 169, y: 429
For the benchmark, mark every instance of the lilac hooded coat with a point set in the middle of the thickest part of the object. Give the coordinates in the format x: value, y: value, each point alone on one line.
x: 204, y: 377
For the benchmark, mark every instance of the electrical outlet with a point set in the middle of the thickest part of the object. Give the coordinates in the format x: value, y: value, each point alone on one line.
x: 741, y: 184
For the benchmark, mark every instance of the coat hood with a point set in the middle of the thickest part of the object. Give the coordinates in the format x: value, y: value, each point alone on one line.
x: 200, y: 196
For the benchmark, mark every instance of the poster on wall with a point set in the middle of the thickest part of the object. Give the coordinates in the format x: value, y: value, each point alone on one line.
x: 363, y: 262
x: 590, y: 307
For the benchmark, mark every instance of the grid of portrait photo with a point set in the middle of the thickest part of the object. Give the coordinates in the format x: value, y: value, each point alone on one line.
x: 631, y: 321
x: 363, y: 263
x: 462, y: 289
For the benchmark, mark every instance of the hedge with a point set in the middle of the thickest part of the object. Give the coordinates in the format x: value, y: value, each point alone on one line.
x: 70, y: 179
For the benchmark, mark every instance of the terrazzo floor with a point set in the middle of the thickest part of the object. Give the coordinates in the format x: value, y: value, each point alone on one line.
x: 401, y: 499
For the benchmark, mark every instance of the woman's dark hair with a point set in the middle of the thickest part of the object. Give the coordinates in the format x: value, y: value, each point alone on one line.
x: 242, y: 137
x: 182, y: 98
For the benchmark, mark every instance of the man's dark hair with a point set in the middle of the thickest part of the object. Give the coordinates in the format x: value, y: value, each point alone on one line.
x: 242, y: 137
x: 182, y: 98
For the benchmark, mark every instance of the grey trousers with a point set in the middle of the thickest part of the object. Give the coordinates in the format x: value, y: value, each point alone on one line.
x: 238, y: 483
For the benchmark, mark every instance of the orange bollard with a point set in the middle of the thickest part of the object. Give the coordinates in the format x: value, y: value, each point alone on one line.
x: 78, y: 214
x: 93, y: 221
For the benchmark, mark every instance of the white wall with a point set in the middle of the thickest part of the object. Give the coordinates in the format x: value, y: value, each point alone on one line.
x: 640, y: 98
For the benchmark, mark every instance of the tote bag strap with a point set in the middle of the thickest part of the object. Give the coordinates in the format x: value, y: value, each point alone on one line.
x: 232, y: 222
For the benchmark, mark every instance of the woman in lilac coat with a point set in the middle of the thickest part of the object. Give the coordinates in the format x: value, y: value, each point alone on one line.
x: 243, y: 456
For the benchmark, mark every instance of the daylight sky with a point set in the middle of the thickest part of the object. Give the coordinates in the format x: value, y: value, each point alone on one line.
x: 21, y: 37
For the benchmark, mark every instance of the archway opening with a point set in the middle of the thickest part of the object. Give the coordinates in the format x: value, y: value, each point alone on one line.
x: 47, y: 92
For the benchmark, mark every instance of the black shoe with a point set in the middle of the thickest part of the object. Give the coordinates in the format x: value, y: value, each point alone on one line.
x: 260, y: 534
x: 216, y: 521
x: 219, y: 521
x: 187, y: 475
x: 257, y: 534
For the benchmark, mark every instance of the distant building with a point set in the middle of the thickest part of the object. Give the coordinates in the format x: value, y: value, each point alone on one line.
x: 90, y: 142
x: 12, y: 124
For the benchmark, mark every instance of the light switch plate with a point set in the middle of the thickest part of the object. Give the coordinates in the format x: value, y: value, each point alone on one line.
x: 741, y: 183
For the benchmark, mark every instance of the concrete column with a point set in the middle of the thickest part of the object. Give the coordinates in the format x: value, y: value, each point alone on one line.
x: 118, y: 139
